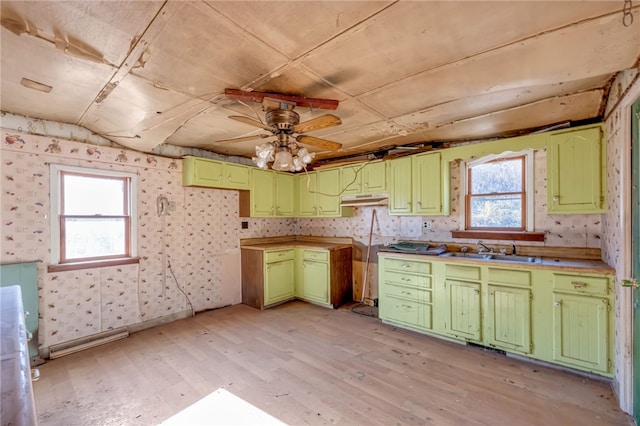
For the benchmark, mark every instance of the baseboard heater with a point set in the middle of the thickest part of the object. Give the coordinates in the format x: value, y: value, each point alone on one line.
x: 72, y: 346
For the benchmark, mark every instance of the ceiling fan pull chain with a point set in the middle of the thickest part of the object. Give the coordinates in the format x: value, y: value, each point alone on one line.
x: 627, y: 16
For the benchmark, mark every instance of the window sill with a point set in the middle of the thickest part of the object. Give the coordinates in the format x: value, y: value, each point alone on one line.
x: 499, y: 235
x: 92, y: 265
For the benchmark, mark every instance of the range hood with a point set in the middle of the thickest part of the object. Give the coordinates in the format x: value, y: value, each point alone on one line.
x: 365, y: 200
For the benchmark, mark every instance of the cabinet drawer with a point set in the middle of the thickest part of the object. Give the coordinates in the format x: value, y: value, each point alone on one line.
x: 581, y: 284
x: 407, y: 265
x: 278, y: 255
x: 415, y: 314
x: 316, y: 255
x: 463, y: 271
x: 418, y: 295
x: 509, y: 277
x: 407, y: 279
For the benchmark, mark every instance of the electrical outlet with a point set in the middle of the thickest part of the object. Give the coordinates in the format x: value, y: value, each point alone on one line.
x: 244, y: 224
x: 426, y: 227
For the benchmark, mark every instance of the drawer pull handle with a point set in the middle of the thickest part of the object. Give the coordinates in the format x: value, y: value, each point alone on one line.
x: 405, y: 279
x: 407, y: 306
x: 578, y: 284
x: 405, y: 292
x: 406, y: 265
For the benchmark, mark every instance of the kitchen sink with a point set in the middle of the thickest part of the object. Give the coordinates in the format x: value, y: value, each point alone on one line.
x: 494, y: 257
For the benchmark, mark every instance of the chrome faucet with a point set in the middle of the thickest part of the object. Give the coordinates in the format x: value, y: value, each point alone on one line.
x: 483, y: 247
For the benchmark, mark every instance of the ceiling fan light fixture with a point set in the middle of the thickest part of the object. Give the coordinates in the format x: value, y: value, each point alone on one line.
x: 283, y: 161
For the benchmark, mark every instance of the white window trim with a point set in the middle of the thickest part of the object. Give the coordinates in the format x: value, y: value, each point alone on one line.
x: 54, y: 185
x: 528, y: 165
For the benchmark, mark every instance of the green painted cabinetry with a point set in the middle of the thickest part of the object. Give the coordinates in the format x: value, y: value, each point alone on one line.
x: 279, y: 276
x: 315, y: 276
x: 581, y: 321
x: 272, y: 193
x: 463, y: 310
x: 319, y: 195
x: 214, y: 174
x: 549, y: 314
x: 418, y: 185
x: 367, y: 178
x: 430, y: 185
x: 576, y: 172
x: 399, y: 175
x: 405, y: 292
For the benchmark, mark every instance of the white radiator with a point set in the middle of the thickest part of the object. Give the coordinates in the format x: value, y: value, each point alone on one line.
x: 72, y: 346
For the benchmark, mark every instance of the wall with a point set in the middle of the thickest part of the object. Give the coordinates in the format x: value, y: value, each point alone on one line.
x: 195, y: 247
x: 616, y: 244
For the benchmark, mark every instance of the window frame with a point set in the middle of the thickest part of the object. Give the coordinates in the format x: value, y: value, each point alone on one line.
x: 527, y: 198
x: 58, y: 252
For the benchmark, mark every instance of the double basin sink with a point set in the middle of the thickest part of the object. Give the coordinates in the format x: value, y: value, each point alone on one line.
x: 494, y: 257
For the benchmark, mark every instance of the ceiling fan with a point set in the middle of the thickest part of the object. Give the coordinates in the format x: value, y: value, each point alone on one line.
x: 285, y: 153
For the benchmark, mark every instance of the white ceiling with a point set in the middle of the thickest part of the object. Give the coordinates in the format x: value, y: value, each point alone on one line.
x: 144, y: 74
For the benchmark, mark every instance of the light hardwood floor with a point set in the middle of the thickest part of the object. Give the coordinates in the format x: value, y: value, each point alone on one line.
x: 305, y: 364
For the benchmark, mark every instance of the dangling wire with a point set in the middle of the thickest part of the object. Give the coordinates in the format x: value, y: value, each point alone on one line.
x: 627, y: 15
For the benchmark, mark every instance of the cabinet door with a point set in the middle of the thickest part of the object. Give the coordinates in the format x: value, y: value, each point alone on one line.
x: 374, y: 178
x: 306, y: 194
x: 351, y: 180
x: 262, y: 193
x: 399, y: 172
x: 279, y: 281
x: 316, y: 281
x: 202, y: 172
x: 463, y: 302
x: 427, y: 184
x: 285, y: 194
x: 328, y: 200
x: 574, y: 172
x: 580, y: 331
x: 236, y: 176
x: 509, y: 318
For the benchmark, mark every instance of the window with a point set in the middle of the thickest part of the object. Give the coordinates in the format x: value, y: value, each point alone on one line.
x: 92, y: 215
x: 498, y: 193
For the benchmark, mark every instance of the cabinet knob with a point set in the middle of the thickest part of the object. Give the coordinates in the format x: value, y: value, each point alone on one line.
x: 476, y: 292
x: 420, y: 203
x: 555, y: 199
x: 556, y: 304
x: 220, y: 177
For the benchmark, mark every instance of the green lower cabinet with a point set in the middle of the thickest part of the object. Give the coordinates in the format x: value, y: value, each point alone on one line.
x: 404, y: 311
x: 279, y: 281
x: 316, y: 281
x: 580, y: 331
x: 464, y: 314
x: 509, y: 318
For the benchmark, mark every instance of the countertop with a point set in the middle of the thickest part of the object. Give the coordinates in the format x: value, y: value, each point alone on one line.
x: 570, y: 265
x: 278, y: 243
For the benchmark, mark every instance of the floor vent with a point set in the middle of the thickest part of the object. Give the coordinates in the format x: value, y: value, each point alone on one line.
x: 56, y: 351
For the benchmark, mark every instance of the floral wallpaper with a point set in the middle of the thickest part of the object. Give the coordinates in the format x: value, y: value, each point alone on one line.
x: 187, y: 252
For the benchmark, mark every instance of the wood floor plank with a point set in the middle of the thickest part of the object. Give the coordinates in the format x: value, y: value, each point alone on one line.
x: 305, y: 364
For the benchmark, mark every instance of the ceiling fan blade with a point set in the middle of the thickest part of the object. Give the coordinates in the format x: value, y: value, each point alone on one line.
x: 320, y: 143
x: 244, y: 138
x: 250, y: 121
x: 322, y: 122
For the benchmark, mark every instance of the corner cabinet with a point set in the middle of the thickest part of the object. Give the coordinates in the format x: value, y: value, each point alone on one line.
x: 576, y: 172
x: 214, y: 174
x: 270, y: 277
x: 272, y: 194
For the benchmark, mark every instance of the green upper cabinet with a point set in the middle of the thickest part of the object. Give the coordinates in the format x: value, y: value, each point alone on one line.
x: 430, y: 185
x: 351, y: 180
x: 285, y: 194
x: 328, y: 187
x: 367, y: 178
x: 307, y: 195
x: 272, y: 193
x: 575, y: 172
x: 262, y: 193
x: 319, y: 194
x: 214, y: 174
x: 399, y: 174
